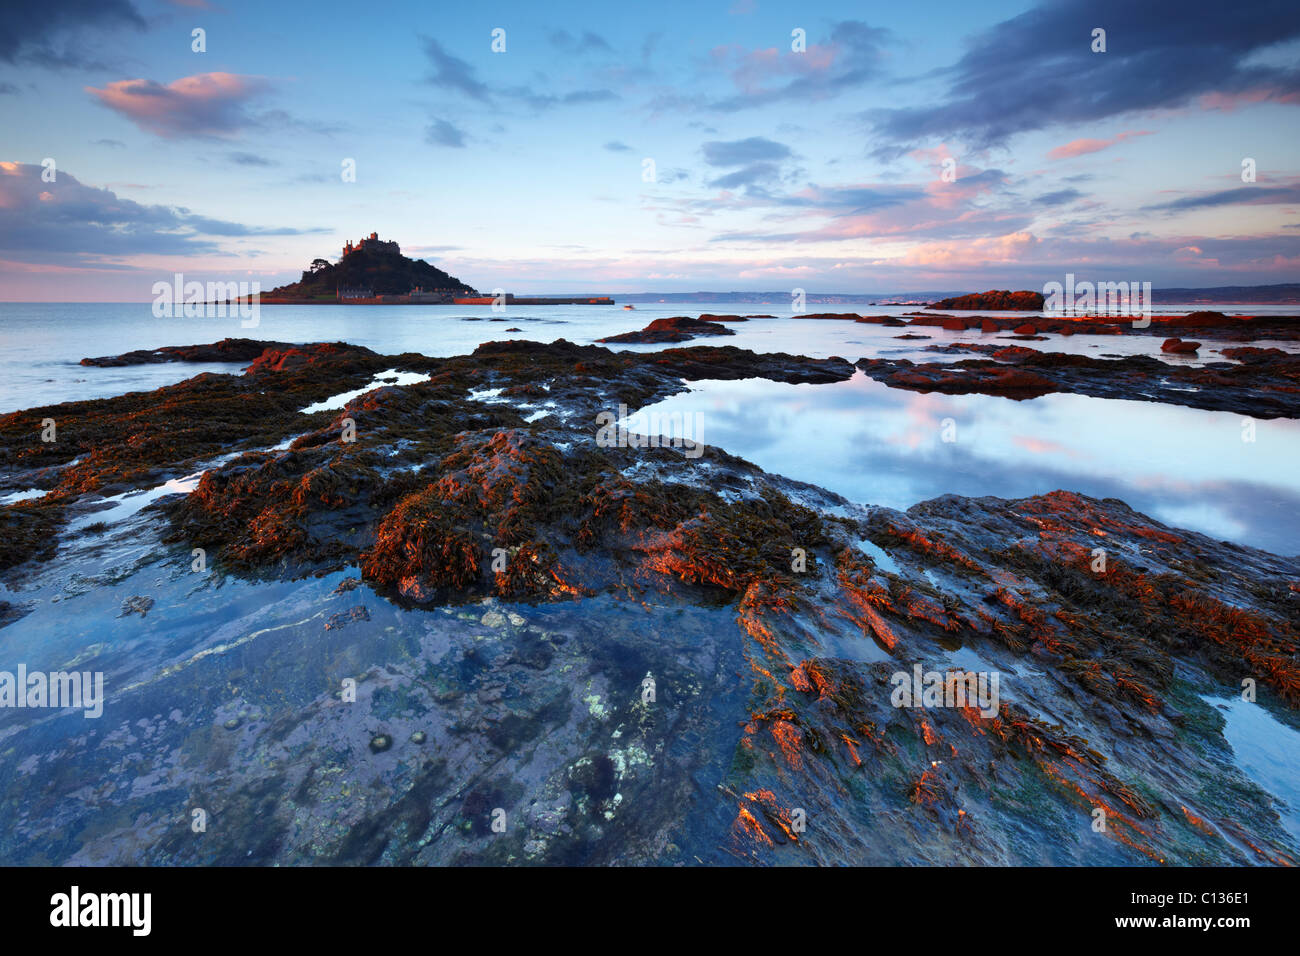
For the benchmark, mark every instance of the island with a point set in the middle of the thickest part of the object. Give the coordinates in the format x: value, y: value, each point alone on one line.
x: 373, y: 271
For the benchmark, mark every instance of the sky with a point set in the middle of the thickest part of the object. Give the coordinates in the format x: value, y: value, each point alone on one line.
x: 605, y: 148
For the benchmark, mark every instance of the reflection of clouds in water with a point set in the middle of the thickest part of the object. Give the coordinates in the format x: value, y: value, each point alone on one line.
x: 870, y: 443
x: 1042, y: 446
x: 1203, y: 517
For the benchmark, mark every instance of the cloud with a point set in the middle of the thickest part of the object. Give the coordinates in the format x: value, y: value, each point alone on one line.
x: 1037, y: 70
x: 206, y: 104
x: 251, y: 159
x: 443, y: 133
x: 614, y: 146
x: 46, y: 34
x: 739, y: 151
x: 854, y: 56
x: 1058, y: 198
x: 1082, y: 147
x: 545, y: 101
x: 576, y: 46
x: 67, y: 222
x: 750, y: 175
x: 8, y: 89
x: 453, y: 73
x: 759, y: 160
x: 1242, y: 195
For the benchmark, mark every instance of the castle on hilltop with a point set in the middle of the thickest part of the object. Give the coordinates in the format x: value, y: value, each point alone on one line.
x: 373, y: 243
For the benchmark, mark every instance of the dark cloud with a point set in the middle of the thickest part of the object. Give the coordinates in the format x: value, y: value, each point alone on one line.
x: 8, y: 89
x: 49, y: 33
x: 614, y: 146
x: 67, y: 222
x: 1038, y: 70
x: 1242, y: 195
x: 443, y: 133
x: 111, y: 143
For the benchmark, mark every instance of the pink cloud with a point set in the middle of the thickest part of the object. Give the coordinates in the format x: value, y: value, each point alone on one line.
x: 206, y: 104
x: 1081, y: 147
x: 1230, y: 101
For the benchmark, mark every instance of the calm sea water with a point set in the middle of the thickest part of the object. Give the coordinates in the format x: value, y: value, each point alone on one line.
x: 1186, y: 467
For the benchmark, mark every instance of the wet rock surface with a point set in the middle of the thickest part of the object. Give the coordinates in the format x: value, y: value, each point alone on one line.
x: 433, y: 628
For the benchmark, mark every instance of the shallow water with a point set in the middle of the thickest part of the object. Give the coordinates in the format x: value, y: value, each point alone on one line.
x: 41, y: 345
x: 873, y: 444
x: 1267, y: 751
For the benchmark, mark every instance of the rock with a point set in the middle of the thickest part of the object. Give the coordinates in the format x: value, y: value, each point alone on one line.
x: 1265, y: 385
x: 137, y: 604
x: 344, y: 618
x: 997, y: 300
x: 1026, y: 329
x: 227, y: 350
x: 1014, y: 353
x: 380, y: 742
x: 679, y: 328
x: 1178, y: 346
x: 988, y: 325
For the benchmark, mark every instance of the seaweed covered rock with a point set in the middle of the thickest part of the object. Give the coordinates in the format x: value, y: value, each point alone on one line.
x: 678, y: 328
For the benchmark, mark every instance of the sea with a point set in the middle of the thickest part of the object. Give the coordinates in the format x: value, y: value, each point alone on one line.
x: 1185, y: 467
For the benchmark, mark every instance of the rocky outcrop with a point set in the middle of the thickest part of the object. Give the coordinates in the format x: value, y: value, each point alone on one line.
x: 1266, y: 383
x: 996, y: 300
x: 679, y: 328
x: 227, y: 350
